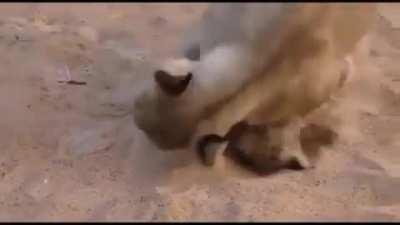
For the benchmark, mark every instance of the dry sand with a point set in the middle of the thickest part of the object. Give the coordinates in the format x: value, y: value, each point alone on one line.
x: 73, y: 153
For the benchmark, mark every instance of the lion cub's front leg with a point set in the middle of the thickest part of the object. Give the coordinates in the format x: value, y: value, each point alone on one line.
x: 258, y: 152
x: 232, y: 112
x: 295, y: 144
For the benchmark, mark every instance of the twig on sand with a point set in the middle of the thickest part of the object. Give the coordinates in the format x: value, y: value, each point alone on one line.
x: 67, y: 78
x: 73, y: 82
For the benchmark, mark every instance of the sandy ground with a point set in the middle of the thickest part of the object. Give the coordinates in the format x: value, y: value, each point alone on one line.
x: 73, y: 153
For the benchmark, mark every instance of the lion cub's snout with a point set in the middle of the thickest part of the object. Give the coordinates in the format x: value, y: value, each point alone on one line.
x: 159, y: 109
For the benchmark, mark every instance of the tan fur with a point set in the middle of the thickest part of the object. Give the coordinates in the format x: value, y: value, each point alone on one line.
x: 282, y: 68
x: 301, y: 77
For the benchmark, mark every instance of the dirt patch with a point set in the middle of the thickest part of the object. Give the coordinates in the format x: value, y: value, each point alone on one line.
x: 73, y: 153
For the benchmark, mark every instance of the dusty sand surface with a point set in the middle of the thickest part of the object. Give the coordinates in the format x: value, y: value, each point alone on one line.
x: 73, y: 153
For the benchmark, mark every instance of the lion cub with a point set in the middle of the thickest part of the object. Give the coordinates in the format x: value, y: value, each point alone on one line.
x: 277, y: 63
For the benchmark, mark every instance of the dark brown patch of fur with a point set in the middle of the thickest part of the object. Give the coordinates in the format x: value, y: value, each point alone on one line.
x: 172, y: 85
x: 312, y: 138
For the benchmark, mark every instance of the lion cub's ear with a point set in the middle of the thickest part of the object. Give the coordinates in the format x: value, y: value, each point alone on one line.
x: 172, y: 85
